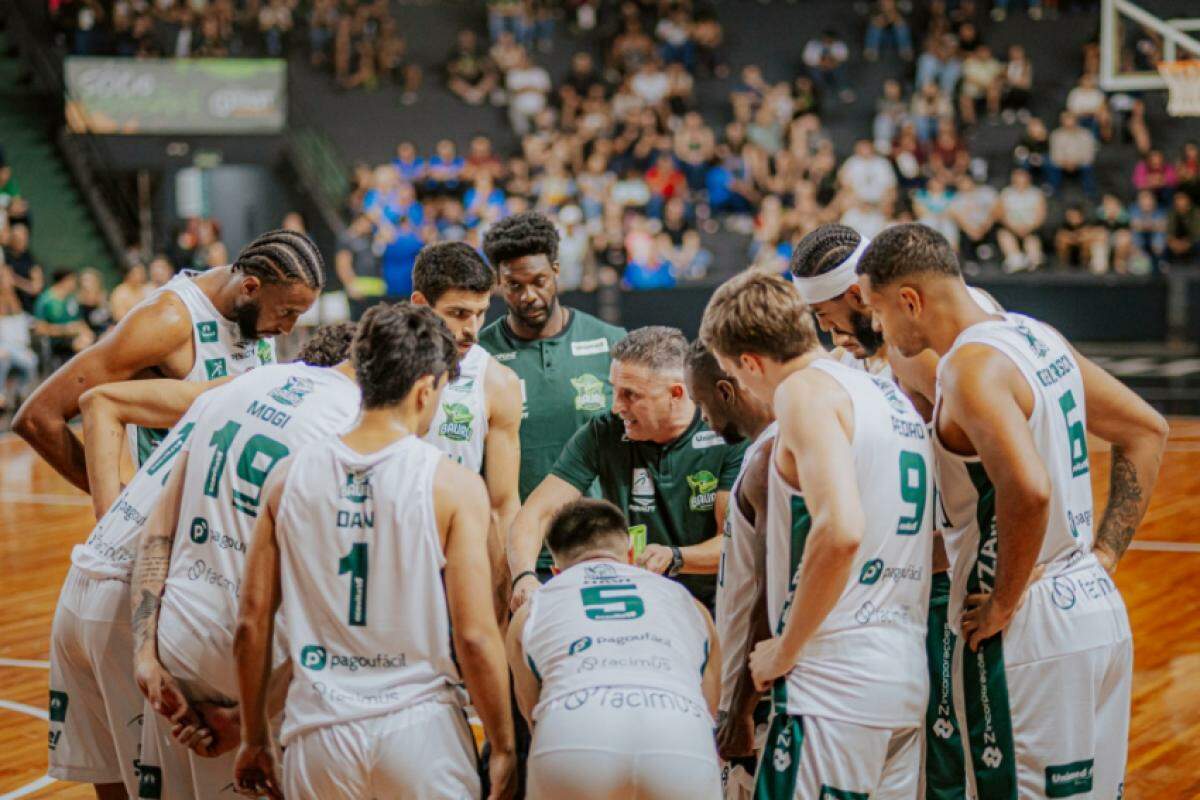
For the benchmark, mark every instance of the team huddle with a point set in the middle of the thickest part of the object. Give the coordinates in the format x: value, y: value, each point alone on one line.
x: 743, y: 566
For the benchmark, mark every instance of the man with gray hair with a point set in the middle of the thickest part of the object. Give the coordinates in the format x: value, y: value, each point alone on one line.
x: 655, y: 459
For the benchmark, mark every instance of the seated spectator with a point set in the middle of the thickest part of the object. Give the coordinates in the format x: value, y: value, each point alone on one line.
x: 709, y: 37
x: 1155, y: 174
x: 867, y: 176
x: 507, y: 53
x: 675, y: 34
x: 645, y: 266
x: 274, y: 23
x: 825, y: 58
x: 133, y: 289
x: 1115, y: 239
x: 58, y: 317
x: 444, y: 171
x: 576, y: 263
x: 480, y: 159
x: 631, y: 191
x: 940, y: 64
x: 555, y: 187
x: 765, y: 132
x: 27, y: 276
x: 1032, y: 152
x: 1018, y: 85
x: 392, y: 201
x: 931, y: 206
x: 929, y: 107
x: 891, y: 112
x: 356, y: 261
x: 866, y: 218
x: 666, y: 181
x: 322, y: 24
x: 508, y: 17
x: 1183, y: 230
x: 484, y: 200
x: 730, y: 189
x: 209, y: 250
x: 680, y: 88
x: 694, y: 144
x: 528, y: 86
x: 1075, y: 242
x: 400, y: 245
x: 948, y: 157
x: 15, y: 352
x: 595, y: 186
x: 409, y: 166
x: 885, y: 24
x: 631, y: 48
x: 1088, y: 103
x: 973, y: 210
x: 93, y: 302
x: 1188, y: 171
x: 470, y: 74
x: 580, y: 79
x: 651, y: 84
x: 391, y: 51
x: 1148, y: 223
x: 161, y: 271
x: 1021, y: 213
x: 909, y: 158
x: 1072, y: 152
x: 983, y: 80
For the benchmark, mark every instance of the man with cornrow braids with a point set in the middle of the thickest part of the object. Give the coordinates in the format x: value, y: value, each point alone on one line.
x: 824, y: 271
x: 198, y: 327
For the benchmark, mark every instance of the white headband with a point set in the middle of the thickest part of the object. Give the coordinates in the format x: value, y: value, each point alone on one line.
x: 834, y: 283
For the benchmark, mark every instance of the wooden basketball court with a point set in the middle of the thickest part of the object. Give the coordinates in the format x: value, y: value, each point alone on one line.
x: 42, y: 517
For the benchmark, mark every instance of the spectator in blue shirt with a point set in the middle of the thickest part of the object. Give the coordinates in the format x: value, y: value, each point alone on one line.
x: 444, y: 173
x: 398, y: 259
x: 408, y: 164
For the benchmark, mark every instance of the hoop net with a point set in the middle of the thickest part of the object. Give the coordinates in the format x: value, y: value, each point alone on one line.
x: 1183, y: 85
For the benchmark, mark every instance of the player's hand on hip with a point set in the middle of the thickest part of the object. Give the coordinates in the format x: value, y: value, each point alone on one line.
x: 655, y: 558
x: 765, y: 665
x: 221, y: 726
x: 982, y: 618
x: 1106, y: 557
x: 254, y: 772
x: 502, y: 774
x: 735, y: 736
x: 163, y: 691
x: 522, y: 591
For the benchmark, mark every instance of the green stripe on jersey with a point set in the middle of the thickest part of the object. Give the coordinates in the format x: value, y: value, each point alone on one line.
x: 801, y: 526
x: 945, y: 770
x: 775, y: 778
x: 830, y: 793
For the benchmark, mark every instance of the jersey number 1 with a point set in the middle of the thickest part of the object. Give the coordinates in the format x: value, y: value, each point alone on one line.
x: 355, y: 562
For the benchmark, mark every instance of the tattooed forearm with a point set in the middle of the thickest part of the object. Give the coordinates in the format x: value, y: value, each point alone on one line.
x: 143, y: 619
x: 149, y: 576
x: 1126, y: 505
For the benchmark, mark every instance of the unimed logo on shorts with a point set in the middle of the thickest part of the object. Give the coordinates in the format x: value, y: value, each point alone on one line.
x: 313, y: 657
x: 58, y: 706
x: 149, y: 782
x: 1066, y: 780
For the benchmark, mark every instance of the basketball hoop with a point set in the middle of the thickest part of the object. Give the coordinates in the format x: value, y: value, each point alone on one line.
x: 1183, y: 84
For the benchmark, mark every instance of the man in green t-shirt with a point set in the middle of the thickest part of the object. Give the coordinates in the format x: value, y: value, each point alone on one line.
x: 654, y: 458
x: 561, y: 355
x: 58, y: 316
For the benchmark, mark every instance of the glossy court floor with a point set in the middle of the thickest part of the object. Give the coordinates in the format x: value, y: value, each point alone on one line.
x: 41, y: 517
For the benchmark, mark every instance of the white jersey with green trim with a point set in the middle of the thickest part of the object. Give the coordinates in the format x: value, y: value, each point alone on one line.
x: 866, y: 662
x: 603, y: 624
x: 460, y: 425
x: 219, y: 347
x: 739, y: 579
x: 364, y: 608
x: 1058, y: 425
x: 111, y: 547
x: 248, y: 427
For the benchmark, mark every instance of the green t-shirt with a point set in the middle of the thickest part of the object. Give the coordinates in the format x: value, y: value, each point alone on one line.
x: 671, y: 488
x: 564, y: 383
x: 56, y: 311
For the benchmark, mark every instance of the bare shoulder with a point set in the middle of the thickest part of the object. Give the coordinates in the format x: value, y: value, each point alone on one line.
x: 807, y: 390
x: 455, y: 486
x: 503, y: 389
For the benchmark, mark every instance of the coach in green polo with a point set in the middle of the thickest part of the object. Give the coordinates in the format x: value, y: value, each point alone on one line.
x: 654, y: 458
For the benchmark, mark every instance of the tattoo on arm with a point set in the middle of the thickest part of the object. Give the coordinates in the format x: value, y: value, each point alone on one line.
x: 150, y: 574
x: 1125, y: 505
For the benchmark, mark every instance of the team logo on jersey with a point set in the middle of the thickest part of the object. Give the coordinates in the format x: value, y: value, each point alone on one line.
x: 871, y: 571
x: 265, y: 352
x: 215, y: 368
x: 313, y: 657
x: 589, y: 392
x: 599, y: 572
x: 462, y: 386
x: 357, y: 487
x: 457, y: 427
x: 579, y: 645
x: 207, y: 331
x: 1035, y: 344
x: 704, y: 490
x: 890, y: 394
x: 58, y: 706
x: 642, y: 491
x: 293, y: 392
x: 199, y: 530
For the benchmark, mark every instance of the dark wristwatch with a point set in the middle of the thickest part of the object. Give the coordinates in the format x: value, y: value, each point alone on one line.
x: 676, y: 562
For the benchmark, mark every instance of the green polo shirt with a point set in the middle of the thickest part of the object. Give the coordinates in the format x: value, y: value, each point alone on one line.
x: 55, y: 310
x: 669, y: 488
x: 564, y: 383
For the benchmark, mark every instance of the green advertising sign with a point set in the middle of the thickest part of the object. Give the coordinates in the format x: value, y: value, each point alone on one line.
x: 176, y: 96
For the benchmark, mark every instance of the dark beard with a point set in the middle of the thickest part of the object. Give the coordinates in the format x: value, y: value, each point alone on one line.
x: 246, y: 317
x: 533, y: 324
x: 866, y: 335
x: 731, y: 434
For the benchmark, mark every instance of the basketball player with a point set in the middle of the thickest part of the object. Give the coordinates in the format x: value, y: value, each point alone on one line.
x: 375, y: 705
x: 95, y: 706
x: 617, y: 670
x: 197, y: 327
x: 741, y: 605
x: 191, y: 558
x: 1044, y: 662
x: 478, y: 421
x: 847, y: 580
x: 824, y: 273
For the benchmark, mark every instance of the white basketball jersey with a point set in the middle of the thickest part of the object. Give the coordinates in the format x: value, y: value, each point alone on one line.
x: 604, y: 623
x: 866, y: 662
x: 1059, y: 428
x: 739, y: 581
x: 219, y: 347
x: 111, y: 548
x: 460, y: 425
x: 247, y: 428
x: 368, y: 626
